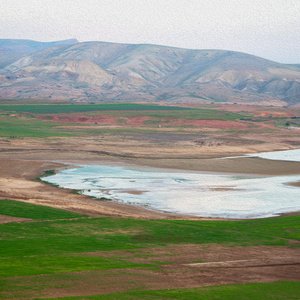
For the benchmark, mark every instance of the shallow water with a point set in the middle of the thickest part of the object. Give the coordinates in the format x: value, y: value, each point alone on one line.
x: 194, y: 193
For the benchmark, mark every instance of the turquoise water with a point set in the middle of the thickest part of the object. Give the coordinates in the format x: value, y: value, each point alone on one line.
x: 193, y: 193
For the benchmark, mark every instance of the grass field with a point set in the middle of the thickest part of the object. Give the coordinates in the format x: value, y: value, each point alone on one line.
x: 13, y: 127
x: 72, y: 108
x: 32, y: 211
x: 250, y: 291
x: 19, y: 121
x: 125, y: 110
x: 62, y: 237
x: 60, y: 242
x: 169, y: 112
x: 103, y: 234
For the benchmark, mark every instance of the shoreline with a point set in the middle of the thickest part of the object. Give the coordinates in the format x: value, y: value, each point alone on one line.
x: 78, y: 164
x: 243, y: 164
x: 31, y: 191
x: 26, y: 170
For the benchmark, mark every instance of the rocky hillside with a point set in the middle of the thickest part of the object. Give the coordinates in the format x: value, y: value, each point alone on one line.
x: 96, y: 71
x: 12, y: 50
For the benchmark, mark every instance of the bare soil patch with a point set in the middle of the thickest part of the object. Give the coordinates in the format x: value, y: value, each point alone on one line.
x: 142, y: 121
x: 9, y: 219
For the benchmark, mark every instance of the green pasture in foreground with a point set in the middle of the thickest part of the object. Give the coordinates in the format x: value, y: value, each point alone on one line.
x: 77, y: 244
x: 46, y: 247
x: 250, y: 291
x: 101, y: 234
x: 52, y: 264
x: 32, y: 211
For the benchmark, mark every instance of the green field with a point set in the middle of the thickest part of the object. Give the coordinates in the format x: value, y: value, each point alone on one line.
x: 74, y: 108
x: 59, y: 243
x: 62, y: 237
x: 250, y: 291
x: 32, y: 211
x: 19, y: 121
x: 126, y: 109
x: 104, y: 234
x: 191, y: 114
x: 14, y: 127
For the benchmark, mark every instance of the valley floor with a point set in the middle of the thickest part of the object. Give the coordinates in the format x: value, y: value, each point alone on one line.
x: 264, y: 254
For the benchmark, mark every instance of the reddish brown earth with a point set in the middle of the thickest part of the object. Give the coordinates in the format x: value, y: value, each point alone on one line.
x: 216, y: 124
x: 140, y: 121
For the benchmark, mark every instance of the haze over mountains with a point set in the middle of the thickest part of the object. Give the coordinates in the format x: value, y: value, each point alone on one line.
x: 95, y: 71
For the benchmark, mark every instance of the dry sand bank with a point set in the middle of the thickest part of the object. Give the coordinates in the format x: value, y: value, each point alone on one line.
x: 297, y: 184
x: 172, y: 155
x: 244, y: 165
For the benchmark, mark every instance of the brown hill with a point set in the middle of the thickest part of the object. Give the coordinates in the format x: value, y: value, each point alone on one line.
x: 98, y: 70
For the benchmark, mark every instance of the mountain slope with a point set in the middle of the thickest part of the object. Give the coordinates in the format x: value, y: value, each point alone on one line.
x: 97, y: 70
x: 11, y: 50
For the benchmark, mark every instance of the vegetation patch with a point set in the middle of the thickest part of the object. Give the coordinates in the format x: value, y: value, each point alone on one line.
x: 32, y: 211
x: 71, y: 249
x: 13, y: 127
x: 103, y: 234
x: 250, y: 291
x: 46, y: 174
x: 71, y: 108
x: 53, y: 264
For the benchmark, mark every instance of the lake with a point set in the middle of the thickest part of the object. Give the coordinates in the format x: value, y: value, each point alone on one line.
x: 186, y: 192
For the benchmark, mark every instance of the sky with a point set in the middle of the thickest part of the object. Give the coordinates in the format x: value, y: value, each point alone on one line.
x: 266, y: 28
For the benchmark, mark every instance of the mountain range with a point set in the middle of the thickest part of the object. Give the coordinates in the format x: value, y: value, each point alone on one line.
x: 101, y: 71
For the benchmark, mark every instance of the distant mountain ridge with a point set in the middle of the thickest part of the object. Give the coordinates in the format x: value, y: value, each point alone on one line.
x: 12, y: 50
x: 92, y: 71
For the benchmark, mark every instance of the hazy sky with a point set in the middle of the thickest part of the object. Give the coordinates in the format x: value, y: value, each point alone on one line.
x: 267, y: 28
